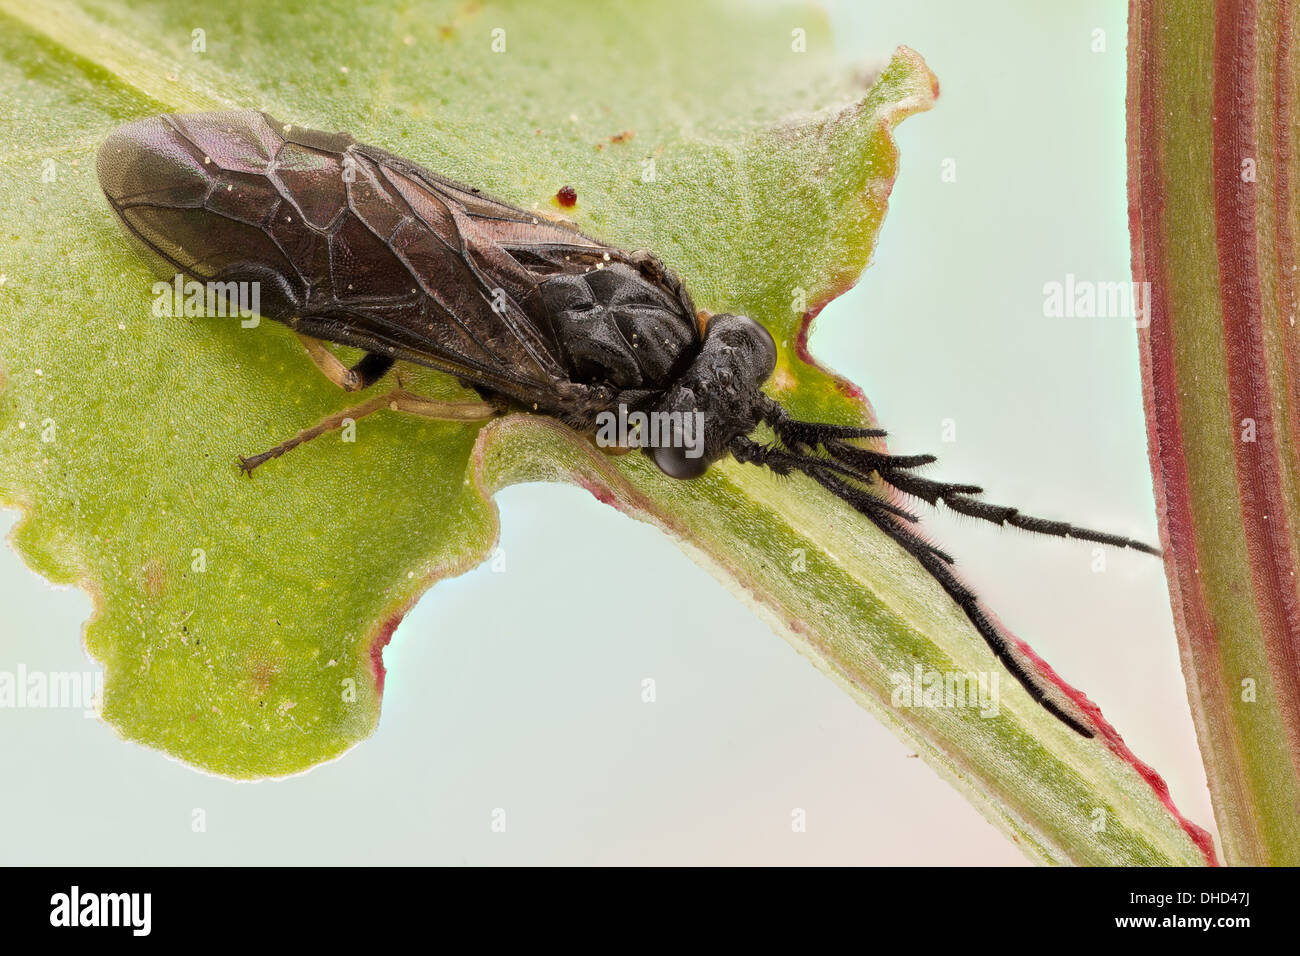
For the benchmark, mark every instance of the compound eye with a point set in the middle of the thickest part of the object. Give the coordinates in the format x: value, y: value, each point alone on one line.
x: 675, y: 463
x: 767, y: 346
x: 760, y: 339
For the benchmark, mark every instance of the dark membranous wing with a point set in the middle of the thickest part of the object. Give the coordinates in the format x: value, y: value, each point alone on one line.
x: 350, y: 243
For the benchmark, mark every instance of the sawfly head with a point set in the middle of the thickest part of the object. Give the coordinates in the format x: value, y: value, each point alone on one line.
x: 715, y: 405
x: 721, y: 390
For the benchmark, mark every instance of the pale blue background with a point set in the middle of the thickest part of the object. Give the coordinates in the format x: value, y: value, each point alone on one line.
x: 506, y: 691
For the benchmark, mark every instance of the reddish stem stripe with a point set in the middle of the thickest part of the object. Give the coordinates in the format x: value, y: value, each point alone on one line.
x: 1264, y: 510
x: 1288, y: 300
x: 1159, y: 373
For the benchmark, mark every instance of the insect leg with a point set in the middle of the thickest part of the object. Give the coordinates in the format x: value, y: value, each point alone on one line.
x: 401, y: 400
x: 372, y: 367
x: 397, y: 400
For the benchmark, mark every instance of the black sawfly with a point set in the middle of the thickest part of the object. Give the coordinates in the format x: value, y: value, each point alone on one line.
x: 352, y: 245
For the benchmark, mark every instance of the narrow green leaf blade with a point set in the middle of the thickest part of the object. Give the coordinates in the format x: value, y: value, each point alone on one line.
x: 1214, y: 206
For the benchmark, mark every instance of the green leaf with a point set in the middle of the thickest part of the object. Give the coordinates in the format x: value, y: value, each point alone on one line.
x: 1213, y: 181
x: 758, y: 172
